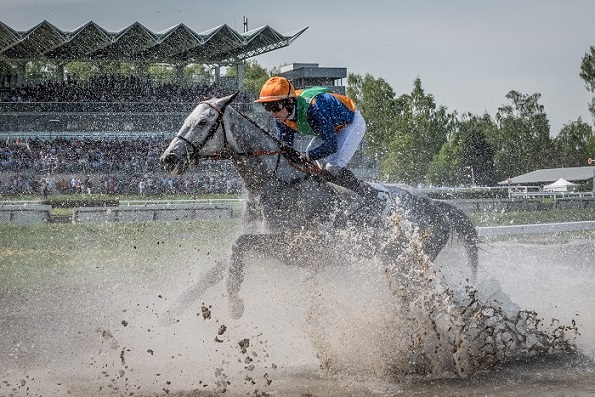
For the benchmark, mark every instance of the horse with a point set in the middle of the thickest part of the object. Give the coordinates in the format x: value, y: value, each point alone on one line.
x: 292, y: 212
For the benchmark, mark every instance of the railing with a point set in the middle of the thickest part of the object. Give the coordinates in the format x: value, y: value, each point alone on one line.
x: 525, y: 192
x: 553, y: 195
x: 208, y: 201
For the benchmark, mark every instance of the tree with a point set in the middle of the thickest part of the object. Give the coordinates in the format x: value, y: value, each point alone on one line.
x: 39, y: 70
x: 588, y: 75
x: 522, y: 142
x: 161, y: 72
x: 421, y: 130
x: 574, y: 144
x: 80, y: 71
x: 445, y: 168
x: 477, y: 155
x: 197, y: 73
x: 254, y: 75
x: 375, y: 100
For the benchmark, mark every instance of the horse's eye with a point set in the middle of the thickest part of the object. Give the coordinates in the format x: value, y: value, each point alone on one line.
x: 202, y: 122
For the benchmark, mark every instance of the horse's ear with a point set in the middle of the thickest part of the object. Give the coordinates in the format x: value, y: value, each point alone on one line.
x: 226, y: 100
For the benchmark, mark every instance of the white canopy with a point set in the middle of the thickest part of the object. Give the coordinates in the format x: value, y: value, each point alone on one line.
x: 561, y: 185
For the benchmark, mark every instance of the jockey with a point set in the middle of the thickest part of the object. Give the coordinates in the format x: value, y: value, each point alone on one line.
x: 336, y: 125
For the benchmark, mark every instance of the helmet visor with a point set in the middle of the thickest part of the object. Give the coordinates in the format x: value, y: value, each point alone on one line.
x: 274, y: 106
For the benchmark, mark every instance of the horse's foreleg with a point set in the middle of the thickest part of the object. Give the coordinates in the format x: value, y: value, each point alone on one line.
x: 263, y: 243
x: 188, y: 297
x: 236, y: 274
x: 234, y: 282
x: 252, y: 216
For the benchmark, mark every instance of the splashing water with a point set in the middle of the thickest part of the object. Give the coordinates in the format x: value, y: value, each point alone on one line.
x: 404, y: 318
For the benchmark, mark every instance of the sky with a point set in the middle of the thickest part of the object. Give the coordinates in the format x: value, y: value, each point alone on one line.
x: 468, y: 53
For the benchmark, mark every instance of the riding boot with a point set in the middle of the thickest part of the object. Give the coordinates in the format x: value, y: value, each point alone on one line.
x: 347, y: 179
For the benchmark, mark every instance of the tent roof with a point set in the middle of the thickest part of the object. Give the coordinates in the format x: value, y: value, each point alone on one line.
x: 220, y: 45
x: 560, y: 183
x: 550, y: 175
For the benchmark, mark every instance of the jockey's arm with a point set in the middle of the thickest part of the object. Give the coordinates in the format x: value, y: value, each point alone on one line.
x: 320, y: 120
x: 285, y: 134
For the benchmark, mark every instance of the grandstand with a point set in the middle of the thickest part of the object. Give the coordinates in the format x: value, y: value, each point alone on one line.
x: 112, y: 103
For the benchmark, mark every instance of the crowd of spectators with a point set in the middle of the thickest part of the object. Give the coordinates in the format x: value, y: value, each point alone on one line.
x: 110, y: 88
x: 111, y: 166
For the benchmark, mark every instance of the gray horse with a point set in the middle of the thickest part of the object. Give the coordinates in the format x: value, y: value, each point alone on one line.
x: 294, y: 214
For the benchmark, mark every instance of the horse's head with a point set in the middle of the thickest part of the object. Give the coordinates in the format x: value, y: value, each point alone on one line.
x: 196, y: 138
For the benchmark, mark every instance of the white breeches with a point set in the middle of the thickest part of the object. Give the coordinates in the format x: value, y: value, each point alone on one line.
x: 348, y: 140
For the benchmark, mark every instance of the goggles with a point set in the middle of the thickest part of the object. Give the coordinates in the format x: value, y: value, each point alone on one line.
x: 275, y: 106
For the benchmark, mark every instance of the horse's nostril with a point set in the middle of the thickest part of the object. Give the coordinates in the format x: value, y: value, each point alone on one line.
x: 168, y: 159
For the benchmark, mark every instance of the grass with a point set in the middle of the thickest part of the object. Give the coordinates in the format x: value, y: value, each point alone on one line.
x: 525, y: 218
x: 56, y: 254
x: 50, y: 254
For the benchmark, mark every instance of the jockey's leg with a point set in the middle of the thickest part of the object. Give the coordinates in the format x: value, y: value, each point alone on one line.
x: 344, y: 177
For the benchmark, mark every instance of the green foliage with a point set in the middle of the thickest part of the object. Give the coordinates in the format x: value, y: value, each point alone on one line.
x: 522, y: 142
x: 404, y: 133
x: 254, y: 76
x: 39, y: 70
x: 587, y: 72
x: 574, y: 145
x: 80, y: 71
x: 445, y: 168
x: 197, y: 73
x: 161, y: 72
x: 476, y: 154
x: 421, y: 130
x: 376, y: 101
x: 117, y: 68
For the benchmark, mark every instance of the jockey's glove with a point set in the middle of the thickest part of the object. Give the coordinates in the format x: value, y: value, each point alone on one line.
x: 305, y: 157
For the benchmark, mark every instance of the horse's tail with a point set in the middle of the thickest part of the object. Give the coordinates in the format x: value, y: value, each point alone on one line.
x: 465, y: 230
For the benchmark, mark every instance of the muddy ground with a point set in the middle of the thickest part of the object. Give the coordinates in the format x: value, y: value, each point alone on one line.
x: 106, y: 332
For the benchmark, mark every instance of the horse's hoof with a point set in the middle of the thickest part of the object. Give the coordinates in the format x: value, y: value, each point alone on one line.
x: 236, y: 307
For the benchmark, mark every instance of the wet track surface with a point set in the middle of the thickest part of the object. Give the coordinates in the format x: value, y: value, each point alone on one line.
x: 333, y: 333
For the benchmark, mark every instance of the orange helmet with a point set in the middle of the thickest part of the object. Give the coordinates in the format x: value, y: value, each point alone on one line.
x: 276, y: 89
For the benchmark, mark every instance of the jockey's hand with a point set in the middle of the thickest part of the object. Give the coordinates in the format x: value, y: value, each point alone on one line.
x: 305, y: 157
x: 291, y: 154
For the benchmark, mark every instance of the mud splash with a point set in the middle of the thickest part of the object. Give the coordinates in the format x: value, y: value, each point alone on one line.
x: 408, y: 319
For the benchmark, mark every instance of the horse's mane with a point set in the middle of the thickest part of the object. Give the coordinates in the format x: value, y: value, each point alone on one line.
x: 288, y: 152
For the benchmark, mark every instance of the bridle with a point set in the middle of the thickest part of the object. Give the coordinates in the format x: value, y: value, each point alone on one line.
x: 210, y: 133
x: 290, y: 154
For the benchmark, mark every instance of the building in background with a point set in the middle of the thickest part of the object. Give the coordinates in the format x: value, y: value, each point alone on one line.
x: 305, y: 75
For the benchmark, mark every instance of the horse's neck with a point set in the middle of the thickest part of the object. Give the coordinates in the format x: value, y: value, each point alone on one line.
x: 257, y: 157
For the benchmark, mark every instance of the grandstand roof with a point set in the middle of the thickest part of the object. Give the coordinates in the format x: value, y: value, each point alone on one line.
x: 220, y: 45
